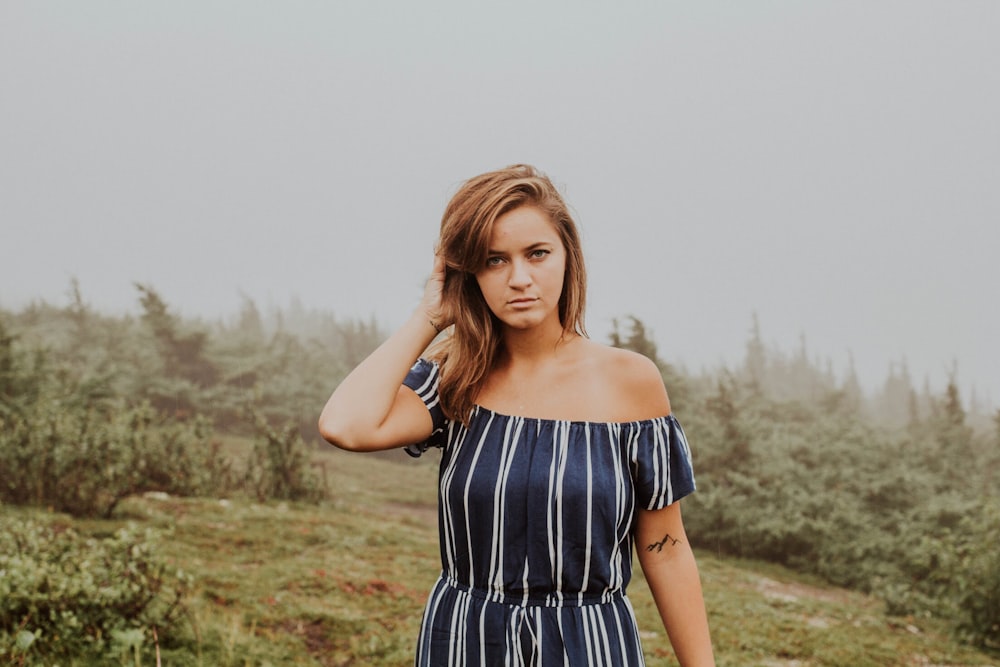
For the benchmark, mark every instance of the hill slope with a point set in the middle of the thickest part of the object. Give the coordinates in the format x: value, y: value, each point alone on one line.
x: 344, y: 584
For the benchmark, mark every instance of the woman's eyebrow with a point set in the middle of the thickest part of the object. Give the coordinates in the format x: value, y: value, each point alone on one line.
x: 533, y: 246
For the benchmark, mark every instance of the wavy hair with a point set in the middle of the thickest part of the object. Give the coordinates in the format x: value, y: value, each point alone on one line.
x: 470, y: 350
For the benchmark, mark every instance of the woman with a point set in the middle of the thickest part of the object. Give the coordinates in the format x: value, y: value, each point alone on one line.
x: 558, y: 453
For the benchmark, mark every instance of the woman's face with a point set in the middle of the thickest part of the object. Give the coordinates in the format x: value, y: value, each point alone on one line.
x: 523, y: 277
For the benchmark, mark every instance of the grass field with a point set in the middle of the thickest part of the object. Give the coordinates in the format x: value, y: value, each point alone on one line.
x: 343, y: 584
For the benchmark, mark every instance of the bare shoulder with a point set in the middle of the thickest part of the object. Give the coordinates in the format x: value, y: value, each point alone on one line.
x: 634, y: 384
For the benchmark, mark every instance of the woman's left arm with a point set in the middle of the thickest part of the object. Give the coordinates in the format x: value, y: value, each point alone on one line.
x: 672, y: 573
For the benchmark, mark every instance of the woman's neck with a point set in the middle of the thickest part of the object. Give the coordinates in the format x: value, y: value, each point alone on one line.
x: 533, y: 346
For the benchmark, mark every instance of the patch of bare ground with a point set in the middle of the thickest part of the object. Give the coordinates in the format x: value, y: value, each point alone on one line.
x: 315, y: 636
x: 319, y: 639
x: 924, y: 661
x: 793, y: 591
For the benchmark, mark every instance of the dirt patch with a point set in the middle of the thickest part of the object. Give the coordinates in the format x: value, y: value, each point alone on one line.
x: 382, y: 587
x: 320, y: 637
x: 792, y: 592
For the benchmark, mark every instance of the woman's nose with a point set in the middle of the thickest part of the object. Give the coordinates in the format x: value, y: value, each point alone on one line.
x: 520, y: 275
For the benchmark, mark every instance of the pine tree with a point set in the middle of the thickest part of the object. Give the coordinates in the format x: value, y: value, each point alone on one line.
x: 893, y: 404
x: 955, y: 449
x: 755, y: 364
x: 183, y: 354
x: 914, y: 423
x: 735, y: 440
x: 639, y: 340
x: 853, y: 396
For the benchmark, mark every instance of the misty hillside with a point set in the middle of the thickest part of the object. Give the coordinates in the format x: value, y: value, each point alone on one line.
x: 893, y: 494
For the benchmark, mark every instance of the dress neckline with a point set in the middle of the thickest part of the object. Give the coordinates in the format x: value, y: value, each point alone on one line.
x: 477, y: 408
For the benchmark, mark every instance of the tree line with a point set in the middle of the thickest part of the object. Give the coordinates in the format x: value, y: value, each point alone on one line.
x: 893, y: 493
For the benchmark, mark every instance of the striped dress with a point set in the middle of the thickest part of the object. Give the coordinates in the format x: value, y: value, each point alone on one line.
x: 536, y: 518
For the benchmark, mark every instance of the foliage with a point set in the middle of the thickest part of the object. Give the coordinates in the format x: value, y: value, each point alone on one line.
x: 67, y: 443
x: 818, y: 486
x: 63, y: 595
x: 280, y: 466
x: 343, y: 583
x: 101, y: 408
x: 638, y: 340
x: 978, y: 581
x: 889, y: 493
x: 182, y: 353
x: 284, y: 363
x: 84, y: 462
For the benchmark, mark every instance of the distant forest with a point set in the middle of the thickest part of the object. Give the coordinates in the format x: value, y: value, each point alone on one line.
x: 892, y: 492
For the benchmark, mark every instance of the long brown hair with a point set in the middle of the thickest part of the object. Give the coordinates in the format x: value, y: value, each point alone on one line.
x: 469, y: 352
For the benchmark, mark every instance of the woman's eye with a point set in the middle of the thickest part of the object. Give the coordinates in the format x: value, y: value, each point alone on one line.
x: 494, y: 261
x: 539, y: 253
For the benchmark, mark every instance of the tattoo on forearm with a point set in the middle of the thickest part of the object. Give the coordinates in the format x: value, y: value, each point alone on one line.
x: 658, y: 546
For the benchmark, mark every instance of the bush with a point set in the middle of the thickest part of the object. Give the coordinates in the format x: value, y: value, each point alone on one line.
x: 280, y: 466
x: 67, y: 442
x: 65, y: 595
x: 861, y: 506
x: 84, y: 461
x: 978, y: 582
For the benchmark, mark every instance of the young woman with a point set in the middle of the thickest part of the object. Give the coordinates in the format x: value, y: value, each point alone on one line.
x: 558, y: 453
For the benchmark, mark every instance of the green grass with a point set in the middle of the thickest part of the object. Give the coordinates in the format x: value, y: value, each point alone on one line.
x: 343, y: 584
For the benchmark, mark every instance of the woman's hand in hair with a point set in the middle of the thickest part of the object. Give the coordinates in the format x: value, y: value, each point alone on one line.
x: 371, y: 409
x: 433, y: 300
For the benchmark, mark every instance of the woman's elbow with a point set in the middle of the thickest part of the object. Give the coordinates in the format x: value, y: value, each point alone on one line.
x: 338, y: 434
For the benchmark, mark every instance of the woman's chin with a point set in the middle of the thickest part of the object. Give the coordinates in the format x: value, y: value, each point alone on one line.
x: 525, y: 321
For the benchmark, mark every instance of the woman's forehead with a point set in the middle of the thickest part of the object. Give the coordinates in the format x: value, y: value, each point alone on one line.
x: 522, y: 227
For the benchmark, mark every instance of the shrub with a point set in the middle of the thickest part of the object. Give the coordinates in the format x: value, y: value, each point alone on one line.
x: 84, y: 460
x: 978, y: 583
x: 280, y: 466
x: 66, y: 595
x: 67, y: 442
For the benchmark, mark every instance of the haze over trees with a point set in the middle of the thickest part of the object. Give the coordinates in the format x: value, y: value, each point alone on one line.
x: 892, y: 492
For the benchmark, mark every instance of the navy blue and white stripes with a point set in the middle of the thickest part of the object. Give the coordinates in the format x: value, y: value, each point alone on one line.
x: 536, y: 519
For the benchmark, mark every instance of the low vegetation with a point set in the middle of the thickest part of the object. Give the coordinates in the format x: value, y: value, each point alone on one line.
x: 164, y: 491
x: 343, y: 583
x: 65, y: 594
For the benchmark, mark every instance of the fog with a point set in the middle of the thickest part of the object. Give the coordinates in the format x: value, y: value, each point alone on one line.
x: 831, y: 167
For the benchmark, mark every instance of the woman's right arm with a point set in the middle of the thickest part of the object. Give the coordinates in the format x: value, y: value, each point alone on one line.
x: 372, y: 409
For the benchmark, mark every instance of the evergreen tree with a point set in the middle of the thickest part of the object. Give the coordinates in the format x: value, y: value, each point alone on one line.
x: 736, y: 444
x: 913, y: 423
x: 78, y: 311
x: 853, y: 395
x: 250, y: 325
x: 638, y: 340
x: 892, y: 405
x: 955, y: 453
x: 183, y: 354
x: 755, y: 363
x: 952, y: 410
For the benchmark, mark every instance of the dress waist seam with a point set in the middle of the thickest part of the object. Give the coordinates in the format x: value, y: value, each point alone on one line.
x: 538, y: 599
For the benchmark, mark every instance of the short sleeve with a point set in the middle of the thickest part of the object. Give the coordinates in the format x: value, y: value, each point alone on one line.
x: 423, y: 380
x: 662, y: 464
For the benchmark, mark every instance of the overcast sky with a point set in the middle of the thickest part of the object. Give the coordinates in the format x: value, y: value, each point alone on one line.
x: 832, y: 166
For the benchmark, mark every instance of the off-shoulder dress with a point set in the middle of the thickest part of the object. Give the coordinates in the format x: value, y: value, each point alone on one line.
x: 535, y: 521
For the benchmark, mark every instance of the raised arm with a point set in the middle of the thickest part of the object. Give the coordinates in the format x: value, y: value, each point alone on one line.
x: 371, y: 409
x: 672, y: 573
